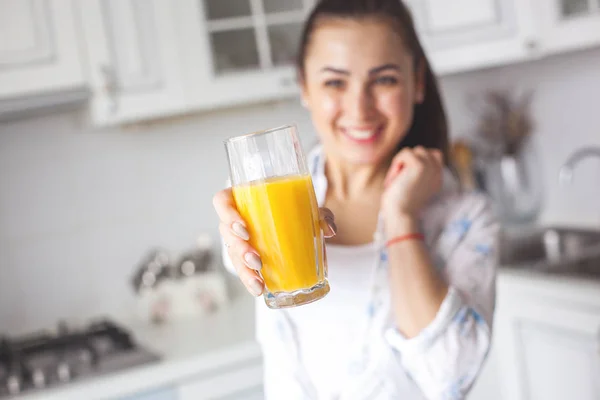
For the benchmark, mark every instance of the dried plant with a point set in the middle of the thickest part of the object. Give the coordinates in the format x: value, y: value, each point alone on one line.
x: 504, y: 122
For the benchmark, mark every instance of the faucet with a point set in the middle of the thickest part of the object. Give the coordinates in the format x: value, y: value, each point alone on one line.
x: 565, y: 174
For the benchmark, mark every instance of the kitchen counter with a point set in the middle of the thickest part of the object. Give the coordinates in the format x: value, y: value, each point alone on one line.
x: 541, y: 283
x: 206, y: 345
x: 187, y: 349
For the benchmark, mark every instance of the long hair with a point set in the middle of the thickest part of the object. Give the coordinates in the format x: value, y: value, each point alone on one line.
x: 429, y: 127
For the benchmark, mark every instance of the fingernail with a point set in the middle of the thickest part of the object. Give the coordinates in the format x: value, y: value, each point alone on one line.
x: 332, y: 226
x: 253, y: 261
x: 240, y: 230
x: 255, y: 287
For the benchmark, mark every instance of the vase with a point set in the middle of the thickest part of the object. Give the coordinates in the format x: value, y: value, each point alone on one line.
x: 514, y: 183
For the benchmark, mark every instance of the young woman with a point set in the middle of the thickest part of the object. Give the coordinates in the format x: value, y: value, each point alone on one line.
x: 408, y: 320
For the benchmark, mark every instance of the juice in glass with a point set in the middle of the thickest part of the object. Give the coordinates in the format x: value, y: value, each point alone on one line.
x: 283, y: 222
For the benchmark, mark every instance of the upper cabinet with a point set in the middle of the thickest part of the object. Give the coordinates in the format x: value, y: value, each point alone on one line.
x: 39, y: 53
x: 133, y: 60
x: 239, y: 50
x: 461, y: 35
x: 147, y: 59
x: 570, y: 24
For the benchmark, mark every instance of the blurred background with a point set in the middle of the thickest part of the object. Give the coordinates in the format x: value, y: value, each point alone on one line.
x: 112, y: 120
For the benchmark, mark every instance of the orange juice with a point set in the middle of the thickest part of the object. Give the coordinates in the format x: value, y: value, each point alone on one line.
x: 283, y: 222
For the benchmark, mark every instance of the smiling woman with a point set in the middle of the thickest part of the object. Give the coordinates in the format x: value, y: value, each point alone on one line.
x: 390, y: 72
x: 411, y: 305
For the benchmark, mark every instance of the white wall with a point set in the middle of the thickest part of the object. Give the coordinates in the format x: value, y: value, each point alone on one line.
x: 567, y: 115
x: 79, y: 207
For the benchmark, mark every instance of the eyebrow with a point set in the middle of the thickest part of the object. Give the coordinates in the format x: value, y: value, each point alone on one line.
x: 372, y: 71
x: 384, y: 67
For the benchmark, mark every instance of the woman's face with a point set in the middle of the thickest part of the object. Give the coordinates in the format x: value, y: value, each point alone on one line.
x: 360, y: 86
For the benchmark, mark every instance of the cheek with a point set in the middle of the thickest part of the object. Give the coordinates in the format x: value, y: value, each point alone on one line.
x: 328, y: 106
x: 324, y: 108
x: 397, y: 107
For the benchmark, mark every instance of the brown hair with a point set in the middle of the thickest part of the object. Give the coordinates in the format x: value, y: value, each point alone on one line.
x: 429, y: 127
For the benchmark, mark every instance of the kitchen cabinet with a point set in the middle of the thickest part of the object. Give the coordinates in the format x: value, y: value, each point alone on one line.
x: 546, y: 341
x: 148, y: 59
x: 241, y: 50
x: 133, y: 61
x: 244, y: 382
x: 569, y: 24
x: 468, y: 34
x: 40, y: 61
x: 558, y: 353
x: 551, y: 347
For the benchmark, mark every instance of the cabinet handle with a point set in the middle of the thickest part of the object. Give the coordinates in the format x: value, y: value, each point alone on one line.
x: 110, y: 86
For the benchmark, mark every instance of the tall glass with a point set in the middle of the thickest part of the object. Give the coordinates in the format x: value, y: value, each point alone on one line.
x: 273, y: 192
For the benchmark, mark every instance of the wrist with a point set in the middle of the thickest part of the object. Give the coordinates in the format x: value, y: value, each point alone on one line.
x: 398, y: 224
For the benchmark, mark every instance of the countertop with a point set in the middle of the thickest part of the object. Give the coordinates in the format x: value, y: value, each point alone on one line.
x: 570, y: 288
x: 187, y: 349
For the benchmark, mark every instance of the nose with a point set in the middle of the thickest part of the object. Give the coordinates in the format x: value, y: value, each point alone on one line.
x: 359, y: 104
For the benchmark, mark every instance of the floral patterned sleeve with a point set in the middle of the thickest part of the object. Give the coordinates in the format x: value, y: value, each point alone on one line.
x: 446, y: 357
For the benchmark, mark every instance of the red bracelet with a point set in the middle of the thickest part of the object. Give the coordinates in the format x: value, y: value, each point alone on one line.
x: 402, y: 238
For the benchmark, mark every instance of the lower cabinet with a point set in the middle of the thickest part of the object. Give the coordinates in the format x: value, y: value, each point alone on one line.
x: 546, y: 342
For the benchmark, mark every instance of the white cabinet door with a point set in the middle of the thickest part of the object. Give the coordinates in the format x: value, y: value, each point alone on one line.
x: 550, y: 349
x: 240, y: 51
x: 461, y: 35
x: 39, y: 51
x: 487, y: 385
x: 133, y: 59
x: 569, y: 24
x: 237, y: 383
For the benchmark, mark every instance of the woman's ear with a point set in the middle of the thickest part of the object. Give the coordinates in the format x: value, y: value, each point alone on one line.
x: 420, y: 81
x: 303, y: 101
x: 303, y: 92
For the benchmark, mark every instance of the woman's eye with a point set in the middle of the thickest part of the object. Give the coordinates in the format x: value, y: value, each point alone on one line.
x: 386, y: 80
x: 334, y: 83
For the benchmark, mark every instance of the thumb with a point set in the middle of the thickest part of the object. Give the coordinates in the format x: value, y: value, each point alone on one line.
x: 327, y: 222
x: 393, y: 172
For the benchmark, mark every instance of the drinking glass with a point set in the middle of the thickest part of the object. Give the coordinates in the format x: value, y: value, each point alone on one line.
x: 274, y: 194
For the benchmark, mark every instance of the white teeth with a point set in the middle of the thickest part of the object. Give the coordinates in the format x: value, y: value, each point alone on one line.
x: 360, y: 134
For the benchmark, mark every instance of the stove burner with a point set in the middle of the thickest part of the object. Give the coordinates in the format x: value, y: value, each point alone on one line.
x: 42, y: 360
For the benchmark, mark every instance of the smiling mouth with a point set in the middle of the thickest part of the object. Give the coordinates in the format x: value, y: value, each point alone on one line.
x: 362, y: 135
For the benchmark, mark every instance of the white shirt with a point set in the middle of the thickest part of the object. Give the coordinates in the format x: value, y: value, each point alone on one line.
x: 315, y: 351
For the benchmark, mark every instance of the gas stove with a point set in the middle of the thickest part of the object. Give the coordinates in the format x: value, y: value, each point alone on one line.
x: 49, y: 359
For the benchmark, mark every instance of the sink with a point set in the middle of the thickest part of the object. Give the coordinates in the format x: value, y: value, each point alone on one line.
x: 553, y: 249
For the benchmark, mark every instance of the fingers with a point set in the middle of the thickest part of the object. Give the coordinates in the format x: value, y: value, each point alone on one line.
x: 416, y: 161
x: 405, y: 158
x: 395, y: 168
x: 327, y: 221
x: 438, y: 156
x: 235, y: 236
x: 420, y: 157
x: 433, y: 156
x: 228, y: 214
x: 245, y: 260
x: 251, y: 280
